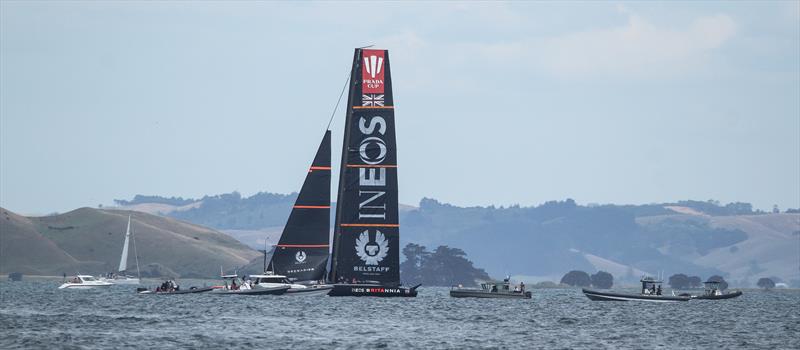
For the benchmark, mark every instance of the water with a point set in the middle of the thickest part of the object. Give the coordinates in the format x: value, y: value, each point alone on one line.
x: 34, y: 314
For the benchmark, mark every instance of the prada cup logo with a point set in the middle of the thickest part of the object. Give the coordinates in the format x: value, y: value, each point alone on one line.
x: 372, y: 252
x: 300, y: 256
x: 374, y: 64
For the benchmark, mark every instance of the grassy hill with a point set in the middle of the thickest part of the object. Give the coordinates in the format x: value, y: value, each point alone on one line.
x: 700, y: 238
x: 90, y: 241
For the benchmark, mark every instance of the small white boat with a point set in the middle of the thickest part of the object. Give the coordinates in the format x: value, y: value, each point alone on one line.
x: 84, y: 282
x: 270, y: 281
x: 122, y: 278
x: 245, y: 287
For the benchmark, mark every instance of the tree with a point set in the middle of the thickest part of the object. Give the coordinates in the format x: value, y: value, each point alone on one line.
x: 766, y: 283
x: 603, y: 280
x: 695, y: 282
x: 577, y: 278
x: 411, y: 268
x: 722, y: 284
x: 679, y: 281
x: 443, y: 267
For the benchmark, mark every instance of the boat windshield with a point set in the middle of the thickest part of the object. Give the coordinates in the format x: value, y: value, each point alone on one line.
x: 88, y: 279
x: 272, y: 280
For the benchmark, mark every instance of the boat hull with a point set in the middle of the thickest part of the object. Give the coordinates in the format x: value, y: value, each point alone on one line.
x: 719, y: 297
x: 477, y: 293
x: 310, y: 291
x: 255, y: 291
x: 84, y: 286
x: 123, y: 281
x: 186, y: 291
x: 609, y: 296
x: 371, y: 290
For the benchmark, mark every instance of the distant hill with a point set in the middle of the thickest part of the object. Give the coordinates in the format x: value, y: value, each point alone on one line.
x: 545, y: 241
x: 90, y: 240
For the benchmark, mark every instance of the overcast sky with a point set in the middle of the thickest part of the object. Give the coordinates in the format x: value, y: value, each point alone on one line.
x: 496, y: 103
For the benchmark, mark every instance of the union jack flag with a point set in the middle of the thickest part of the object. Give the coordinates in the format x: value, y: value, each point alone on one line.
x: 372, y: 100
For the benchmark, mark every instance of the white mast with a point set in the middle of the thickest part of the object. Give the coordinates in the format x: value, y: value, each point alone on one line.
x: 136, y: 255
x: 123, y: 260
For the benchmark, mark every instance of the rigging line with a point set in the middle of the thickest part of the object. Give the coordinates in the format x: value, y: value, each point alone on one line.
x: 349, y: 75
x: 339, y: 100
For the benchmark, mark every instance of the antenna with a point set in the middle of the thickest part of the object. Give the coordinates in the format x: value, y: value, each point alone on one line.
x: 265, y: 255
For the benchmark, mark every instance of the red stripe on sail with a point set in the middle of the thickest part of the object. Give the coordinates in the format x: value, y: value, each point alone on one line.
x: 302, y: 245
x: 312, y: 206
x: 369, y: 225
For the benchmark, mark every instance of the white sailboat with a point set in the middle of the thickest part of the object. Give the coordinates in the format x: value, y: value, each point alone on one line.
x: 121, y: 277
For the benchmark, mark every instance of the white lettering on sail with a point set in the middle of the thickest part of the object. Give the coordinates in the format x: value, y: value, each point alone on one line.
x: 369, y: 129
x: 368, y: 177
x: 368, y: 143
x: 362, y: 205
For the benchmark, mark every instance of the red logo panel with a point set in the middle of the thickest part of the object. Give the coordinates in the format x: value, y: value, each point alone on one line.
x: 372, y: 71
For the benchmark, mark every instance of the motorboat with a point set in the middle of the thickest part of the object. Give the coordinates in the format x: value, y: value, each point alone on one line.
x: 84, y: 282
x: 269, y: 281
x: 236, y: 286
x: 170, y: 287
x: 492, y: 289
x: 651, y: 291
x: 714, y: 292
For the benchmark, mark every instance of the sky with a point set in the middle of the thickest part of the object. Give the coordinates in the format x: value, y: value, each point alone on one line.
x: 496, y: 103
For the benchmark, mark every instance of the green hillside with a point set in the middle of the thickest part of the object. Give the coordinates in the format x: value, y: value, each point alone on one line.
x: 90, y: 241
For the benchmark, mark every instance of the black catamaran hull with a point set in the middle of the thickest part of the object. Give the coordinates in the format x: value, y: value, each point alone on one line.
x: 718, y: 297
x: 609, y: 296
x: 371, y: 290
x: 462, y: 293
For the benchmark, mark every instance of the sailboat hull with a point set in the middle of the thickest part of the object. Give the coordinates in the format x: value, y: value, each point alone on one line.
x: 126, y: 281
x: 371, y: 290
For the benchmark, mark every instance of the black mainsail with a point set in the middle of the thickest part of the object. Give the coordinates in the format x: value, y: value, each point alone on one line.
x: 366, y: 243
x: 302, y: 251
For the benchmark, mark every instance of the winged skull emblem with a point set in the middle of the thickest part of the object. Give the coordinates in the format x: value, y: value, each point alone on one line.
x: 372, y: 252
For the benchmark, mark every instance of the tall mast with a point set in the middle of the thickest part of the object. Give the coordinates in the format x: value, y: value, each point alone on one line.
x: 366, y: 232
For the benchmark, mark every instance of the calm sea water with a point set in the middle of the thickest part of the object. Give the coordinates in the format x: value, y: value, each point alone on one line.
x: 34, y: 314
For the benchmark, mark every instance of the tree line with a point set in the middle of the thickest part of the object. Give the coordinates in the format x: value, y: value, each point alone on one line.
x: 576, y: 278
x: 444, y: 266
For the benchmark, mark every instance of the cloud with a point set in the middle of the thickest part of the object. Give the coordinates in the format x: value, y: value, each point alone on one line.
x: 638, y: 48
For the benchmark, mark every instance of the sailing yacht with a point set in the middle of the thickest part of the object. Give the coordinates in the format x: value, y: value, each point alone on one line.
x: 366, y: 242
x: 121, y: 277
x: 301, y: 255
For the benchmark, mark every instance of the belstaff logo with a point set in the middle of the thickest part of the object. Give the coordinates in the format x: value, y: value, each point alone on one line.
x: 372, y: 252
x: 373, y: 71
x: 300, y: 256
